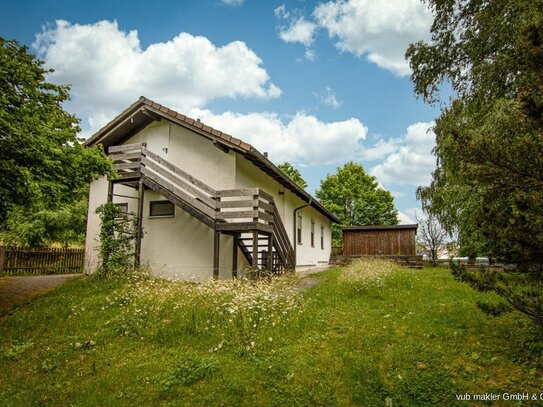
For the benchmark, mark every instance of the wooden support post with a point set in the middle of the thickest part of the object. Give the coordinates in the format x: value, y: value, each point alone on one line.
x: 139, y: 231
x: 235, y: 257
x: 255, y: 251
x: 110, y: 191
x: 216, y: 244
x: 2, y: 259
x: 270, y: 252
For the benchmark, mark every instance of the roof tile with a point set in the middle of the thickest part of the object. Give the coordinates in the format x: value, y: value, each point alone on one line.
x: 235, y: 141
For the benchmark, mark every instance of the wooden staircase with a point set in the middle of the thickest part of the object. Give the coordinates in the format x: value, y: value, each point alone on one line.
x: 249, y: 214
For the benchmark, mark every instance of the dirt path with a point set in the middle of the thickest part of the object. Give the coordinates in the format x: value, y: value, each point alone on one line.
x: 17, y: 290
x: 307, y: 282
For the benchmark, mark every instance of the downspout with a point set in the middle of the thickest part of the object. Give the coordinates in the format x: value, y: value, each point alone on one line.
x: 295, y: 222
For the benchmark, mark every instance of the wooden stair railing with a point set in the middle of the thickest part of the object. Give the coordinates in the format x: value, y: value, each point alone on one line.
x: 235, y: 211
x: 281, y: 240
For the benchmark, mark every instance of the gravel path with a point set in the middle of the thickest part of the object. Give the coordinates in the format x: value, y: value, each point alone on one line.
x: 17, y: 290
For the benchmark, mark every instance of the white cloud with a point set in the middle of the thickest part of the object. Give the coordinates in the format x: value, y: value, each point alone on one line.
x: 381, y: 149
x: 281, y: 12
x: 410, y: 215
x: 233, y: 3
x: 328, y: 98
x: 405, y: 219
x: 378, y: 30
x: 413, y: 162
x: 108, y: 69
x: 301, y: 139
x: 300, y: 30
x: 309, y: 55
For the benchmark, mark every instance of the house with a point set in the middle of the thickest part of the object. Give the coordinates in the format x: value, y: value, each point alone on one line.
x: 208, y: 204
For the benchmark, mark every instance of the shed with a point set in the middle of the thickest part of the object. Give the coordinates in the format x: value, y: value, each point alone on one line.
x: 379, y: 240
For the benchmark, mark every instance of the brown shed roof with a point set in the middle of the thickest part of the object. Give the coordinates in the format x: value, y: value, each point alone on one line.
x: 379, y: 227
x: 144, y: 111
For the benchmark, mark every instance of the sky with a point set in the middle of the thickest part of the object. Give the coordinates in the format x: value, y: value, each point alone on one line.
x: 310, y: 82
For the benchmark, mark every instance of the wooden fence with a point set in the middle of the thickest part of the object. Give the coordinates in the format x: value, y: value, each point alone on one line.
x: 16, y: 261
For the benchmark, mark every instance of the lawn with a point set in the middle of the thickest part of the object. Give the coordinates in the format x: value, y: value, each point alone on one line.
x: 372, y: 334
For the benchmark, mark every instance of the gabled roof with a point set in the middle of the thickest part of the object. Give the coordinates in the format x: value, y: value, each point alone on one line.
x: 144, y: 111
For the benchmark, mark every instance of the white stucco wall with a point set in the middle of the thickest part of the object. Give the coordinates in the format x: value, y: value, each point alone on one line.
x: 181, y: 247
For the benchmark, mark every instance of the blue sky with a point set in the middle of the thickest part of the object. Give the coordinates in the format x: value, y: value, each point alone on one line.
x: 310, y: 82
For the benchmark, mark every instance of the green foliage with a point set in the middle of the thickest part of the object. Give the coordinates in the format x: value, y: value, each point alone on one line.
x: 488, y: 185
x: 44, y: 166
x: 293, y: 173
x: 16, y: 351
x: 65, y: 225
x: 118, y: 232
x: 356, y: 199
x: 522, y: 291
x: 189, y: 369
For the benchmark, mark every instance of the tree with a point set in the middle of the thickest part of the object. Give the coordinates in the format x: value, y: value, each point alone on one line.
x: 293, y: 173
x: 44, y: 166
x: 431, y: 237
x: 356, y: 199
x: 488, y: 183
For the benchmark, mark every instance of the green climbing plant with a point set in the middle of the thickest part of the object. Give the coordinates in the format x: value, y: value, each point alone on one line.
x: 118, y: 233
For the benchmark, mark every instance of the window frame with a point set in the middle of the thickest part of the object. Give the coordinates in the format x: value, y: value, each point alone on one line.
x: 312, y: 232
x: 322, y: 237
x: 299, y: 230
x: 122, y: 205
x: 161, y: 201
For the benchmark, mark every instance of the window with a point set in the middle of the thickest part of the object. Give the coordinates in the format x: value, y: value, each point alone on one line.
x: 312, y: 233
x: 161, y: 208
x: 299, y: 229
x: 322, y: 237
x: 122, y: 206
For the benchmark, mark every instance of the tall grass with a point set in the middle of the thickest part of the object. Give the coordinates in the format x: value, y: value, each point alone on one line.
x: 372, y: 334
x: 242, y: 314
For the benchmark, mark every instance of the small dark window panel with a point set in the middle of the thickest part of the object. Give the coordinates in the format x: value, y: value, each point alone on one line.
x: 122, y: 206
x: 299, y: 229
x: 124, y: 209
x: 312, y: 233
x: 161, y: 208
x: 322, y: 237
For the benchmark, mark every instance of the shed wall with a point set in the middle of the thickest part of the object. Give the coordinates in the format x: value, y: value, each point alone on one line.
x: 379, y: 242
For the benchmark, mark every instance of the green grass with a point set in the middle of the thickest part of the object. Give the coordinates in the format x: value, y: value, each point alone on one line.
x: 405, y: 337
